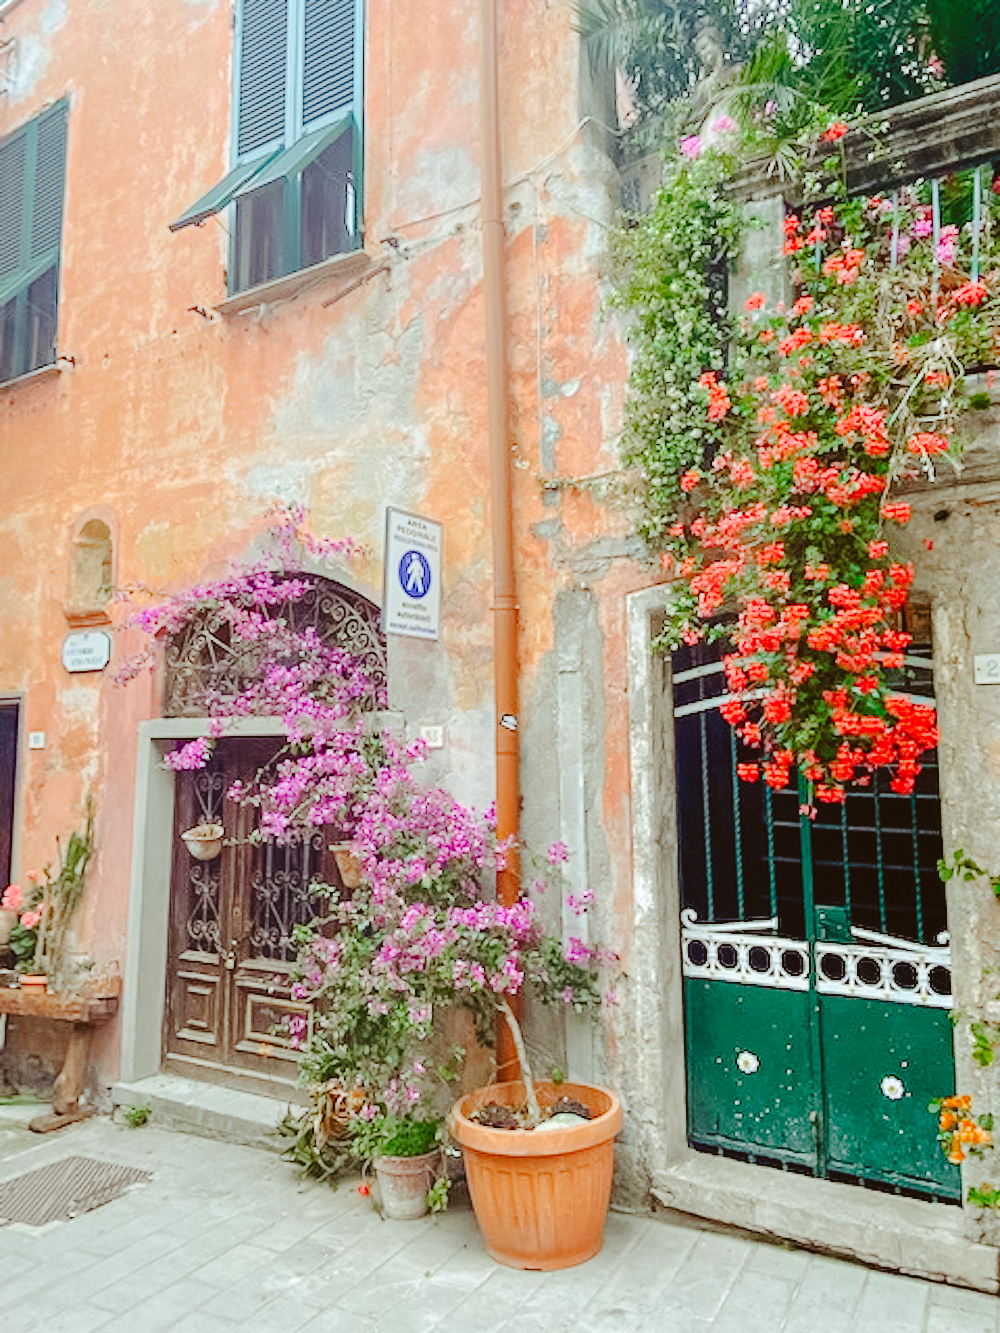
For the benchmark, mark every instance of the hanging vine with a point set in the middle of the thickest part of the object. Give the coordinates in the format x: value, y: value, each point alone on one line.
x: 772, y: 446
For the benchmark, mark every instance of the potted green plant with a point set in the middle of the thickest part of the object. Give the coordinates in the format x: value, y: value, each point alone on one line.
x: 405, y: 1154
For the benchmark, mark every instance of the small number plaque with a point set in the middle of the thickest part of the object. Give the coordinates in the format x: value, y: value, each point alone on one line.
x: 986, y: 668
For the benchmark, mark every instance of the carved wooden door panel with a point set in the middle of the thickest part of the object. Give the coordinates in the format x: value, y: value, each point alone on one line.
x: 231, y: 922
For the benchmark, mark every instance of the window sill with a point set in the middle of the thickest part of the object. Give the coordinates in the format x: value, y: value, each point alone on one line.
x: 283, y: 289
x: 32, y: 377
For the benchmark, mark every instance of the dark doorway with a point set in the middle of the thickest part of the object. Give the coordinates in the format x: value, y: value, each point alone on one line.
x: 8, y: 774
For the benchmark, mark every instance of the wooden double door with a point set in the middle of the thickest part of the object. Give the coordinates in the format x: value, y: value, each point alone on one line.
x: 231, y: 946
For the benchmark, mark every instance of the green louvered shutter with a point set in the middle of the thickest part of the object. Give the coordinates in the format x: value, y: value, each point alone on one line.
x: 328, y: 58
x: 32, y: 185
x: 49, y: 186
x: 13, y: 156
x: 262, y: 74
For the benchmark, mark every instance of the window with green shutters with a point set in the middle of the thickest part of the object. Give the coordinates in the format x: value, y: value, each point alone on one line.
x: 297, y: 135
x: 32, y: 184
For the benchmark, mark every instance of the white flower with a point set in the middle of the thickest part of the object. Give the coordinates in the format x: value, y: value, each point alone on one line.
x: 892, y: 1088
x: 747, y: 1062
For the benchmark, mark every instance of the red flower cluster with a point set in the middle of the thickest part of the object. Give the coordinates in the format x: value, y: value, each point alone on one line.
x: 718, y: 398
x: 790, y: 517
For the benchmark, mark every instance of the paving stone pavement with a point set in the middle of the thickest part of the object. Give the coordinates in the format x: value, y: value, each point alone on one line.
x: 226, y: 1238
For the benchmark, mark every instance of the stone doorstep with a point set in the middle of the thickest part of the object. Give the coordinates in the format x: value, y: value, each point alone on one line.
x: 885, y: 1230
x: 213, y: 1112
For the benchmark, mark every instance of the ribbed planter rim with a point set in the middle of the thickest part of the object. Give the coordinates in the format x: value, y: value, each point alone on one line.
x: 528, y: 1142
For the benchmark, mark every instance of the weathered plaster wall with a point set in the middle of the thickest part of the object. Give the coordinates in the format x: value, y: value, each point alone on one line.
x: 954, y: 541
x: 185, y: 424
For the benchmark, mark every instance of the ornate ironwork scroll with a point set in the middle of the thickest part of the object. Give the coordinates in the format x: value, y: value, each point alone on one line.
x: 201, y: 657
x: 279, y: 895
x: 202, y: 925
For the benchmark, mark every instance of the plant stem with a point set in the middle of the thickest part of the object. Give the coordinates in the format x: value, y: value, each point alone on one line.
x: 530, y: 1097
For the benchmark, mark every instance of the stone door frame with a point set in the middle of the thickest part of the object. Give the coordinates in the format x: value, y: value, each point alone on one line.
x: 932, y: 1239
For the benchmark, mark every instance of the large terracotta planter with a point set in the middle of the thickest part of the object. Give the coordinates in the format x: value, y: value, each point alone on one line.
x: 540, y: 1197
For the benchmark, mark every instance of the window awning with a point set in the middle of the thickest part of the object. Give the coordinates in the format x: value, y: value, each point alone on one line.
x: 292, y: 160
x: 223, y: 192
x: 247, y: 176
x: 24, y: 277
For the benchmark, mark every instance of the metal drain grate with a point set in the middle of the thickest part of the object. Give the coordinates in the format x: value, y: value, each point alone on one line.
x: 65, y: 1189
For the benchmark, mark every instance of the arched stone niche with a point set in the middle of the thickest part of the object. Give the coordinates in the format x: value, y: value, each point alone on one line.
x: 200, y: 657
x: 92, y: 568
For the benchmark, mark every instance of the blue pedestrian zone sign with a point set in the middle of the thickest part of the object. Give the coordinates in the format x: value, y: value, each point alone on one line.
x: 415, y: 574
x: 412, y: 596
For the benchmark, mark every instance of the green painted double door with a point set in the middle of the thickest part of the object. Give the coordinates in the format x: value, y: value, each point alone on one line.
x: 817, y: 980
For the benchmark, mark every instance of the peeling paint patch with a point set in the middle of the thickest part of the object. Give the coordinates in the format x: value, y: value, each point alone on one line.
x: 55, y: 15
x: 281, y: 481
x: 552, y: 433
x: 447, y: 175
x: 27, y: 68
x: 82, y: 701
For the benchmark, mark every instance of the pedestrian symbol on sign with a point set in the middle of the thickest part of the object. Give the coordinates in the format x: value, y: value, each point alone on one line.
x: 414, y: 574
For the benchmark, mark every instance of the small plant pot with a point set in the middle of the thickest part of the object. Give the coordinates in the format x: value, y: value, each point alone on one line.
x: 35, y: 983
x: 204, y: 841
x: 348, y: 865
x: 403, y: 1183
x: 540, y: 1198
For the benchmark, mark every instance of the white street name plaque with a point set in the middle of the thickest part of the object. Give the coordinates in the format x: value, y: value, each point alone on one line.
x: 412, y: 601
x: 88, y: 650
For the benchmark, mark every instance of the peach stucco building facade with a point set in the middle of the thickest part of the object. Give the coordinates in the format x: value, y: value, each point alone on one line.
x: 182, y: 398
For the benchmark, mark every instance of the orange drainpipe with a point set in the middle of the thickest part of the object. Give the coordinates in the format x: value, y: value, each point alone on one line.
x: 502, y: 517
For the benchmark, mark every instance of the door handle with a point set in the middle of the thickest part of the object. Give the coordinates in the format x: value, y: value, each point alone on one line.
x: 231, y: 957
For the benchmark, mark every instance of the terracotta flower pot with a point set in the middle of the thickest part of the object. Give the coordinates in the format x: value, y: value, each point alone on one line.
x: 35, y: 982
x: 348, y: 865
x: 404, y: 1182
x: 204, y: 841
x: 540, y: 1198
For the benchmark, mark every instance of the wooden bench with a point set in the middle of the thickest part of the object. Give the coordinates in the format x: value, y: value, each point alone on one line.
x: 84, y: 1013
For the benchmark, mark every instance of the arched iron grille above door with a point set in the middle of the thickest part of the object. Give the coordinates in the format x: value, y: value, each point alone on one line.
x: 816, y: 964
x: 201, y: 657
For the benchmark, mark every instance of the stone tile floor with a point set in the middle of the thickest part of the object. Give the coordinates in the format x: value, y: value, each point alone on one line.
x: 228, y: 1238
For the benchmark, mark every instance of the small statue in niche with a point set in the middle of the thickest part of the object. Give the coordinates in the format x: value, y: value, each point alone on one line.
x: 712, y: 100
